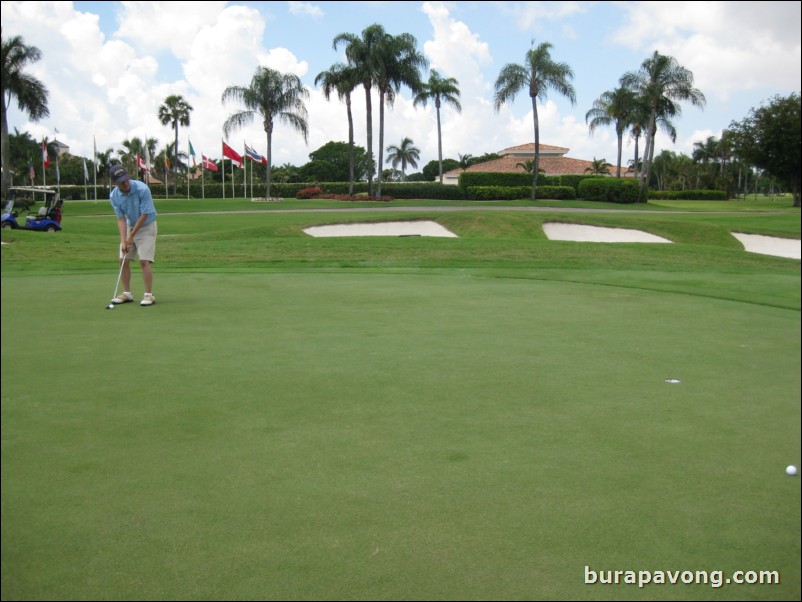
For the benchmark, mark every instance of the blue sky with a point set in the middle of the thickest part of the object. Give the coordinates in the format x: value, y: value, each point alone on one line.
x: 109, y: 65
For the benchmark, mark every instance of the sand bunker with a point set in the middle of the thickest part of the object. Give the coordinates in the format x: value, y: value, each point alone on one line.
x: 770, y: 245
x: 753, y: 243
x: 578, y: 233
x: 411, y: 228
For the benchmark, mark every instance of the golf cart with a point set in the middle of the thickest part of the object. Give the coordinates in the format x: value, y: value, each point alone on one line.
x: 47, y: 219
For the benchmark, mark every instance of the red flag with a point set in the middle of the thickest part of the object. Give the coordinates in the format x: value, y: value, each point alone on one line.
x: 208, y: 163
x: 45, y: 158
x: 141, y: 164
x: 232, y: 154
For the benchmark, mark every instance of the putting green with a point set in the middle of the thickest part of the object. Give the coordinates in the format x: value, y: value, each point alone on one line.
x: 358, y: 435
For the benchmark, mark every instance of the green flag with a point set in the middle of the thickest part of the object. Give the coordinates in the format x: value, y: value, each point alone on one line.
x: 191, y: 151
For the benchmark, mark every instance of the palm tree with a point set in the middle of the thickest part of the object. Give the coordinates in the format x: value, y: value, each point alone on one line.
x: 598, y: 167
x: 465, y: 160
x: 706, y: 153
x: 271, y: 95
x: 103, y: 161
x: 440, y: 90
x: 398, y: 63
x: 538, y: 74
x: 344, y: 80
x: 405, y: 154
x: 661, y: 82
x: 31, y: 94
x: 128, y: 153
x: 527, y: 165
x: 615, y: 108
x: 361, y: 55
x: 175, y: 111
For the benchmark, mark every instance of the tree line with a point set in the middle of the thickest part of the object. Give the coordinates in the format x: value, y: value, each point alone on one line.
x: 645, y: 100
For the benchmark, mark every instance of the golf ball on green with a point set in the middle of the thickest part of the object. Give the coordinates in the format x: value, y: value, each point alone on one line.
x: 790, y: 470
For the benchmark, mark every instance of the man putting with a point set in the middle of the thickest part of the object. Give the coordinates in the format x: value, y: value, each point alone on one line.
x: 136, y: 221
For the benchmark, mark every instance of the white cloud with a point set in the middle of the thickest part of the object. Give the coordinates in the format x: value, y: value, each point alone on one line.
x: 111, y: 85
x: 729, y: 46
x: 304, y: 8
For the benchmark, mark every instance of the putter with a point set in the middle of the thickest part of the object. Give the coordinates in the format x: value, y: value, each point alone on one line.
x: 116, y: 286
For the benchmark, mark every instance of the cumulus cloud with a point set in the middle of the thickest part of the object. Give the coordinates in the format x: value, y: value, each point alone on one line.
x: 109, y: 81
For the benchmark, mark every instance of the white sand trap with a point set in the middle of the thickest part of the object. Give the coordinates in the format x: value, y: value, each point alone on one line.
x: 411, y: 228
x: 770, y: 245
x: 578, y: 233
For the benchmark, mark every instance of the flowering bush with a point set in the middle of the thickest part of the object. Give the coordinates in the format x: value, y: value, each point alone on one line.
x: 309, y: 193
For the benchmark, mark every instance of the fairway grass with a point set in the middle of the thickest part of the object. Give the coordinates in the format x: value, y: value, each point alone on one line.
x: 476, y: 418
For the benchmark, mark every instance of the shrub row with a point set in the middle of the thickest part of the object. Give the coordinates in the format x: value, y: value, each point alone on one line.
x: 507, y: 193
x: 609, y: 190
x: 688, y: 195
x: 479, y: 178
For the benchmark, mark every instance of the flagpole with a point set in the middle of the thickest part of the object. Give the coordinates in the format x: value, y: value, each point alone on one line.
x: 203, y: 177
x: 94, y: 163
x: 223, y: 165
x: 245, y: 177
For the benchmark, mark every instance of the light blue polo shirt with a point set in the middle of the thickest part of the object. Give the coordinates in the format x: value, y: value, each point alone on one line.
x: 137, y: 202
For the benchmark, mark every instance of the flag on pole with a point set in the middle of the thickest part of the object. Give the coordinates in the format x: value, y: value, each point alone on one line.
x: 86, y: 172
x: 191, y: 152
x: 232, y: 154
x: 45, y: 158
x: 254, y: 156
x: 31, y: 171
x: 94, y: 165
x: 147, y: 158
x: 208, y: 163
x: 141, y: 164
x: 58, y: 175
x: 167, y: 166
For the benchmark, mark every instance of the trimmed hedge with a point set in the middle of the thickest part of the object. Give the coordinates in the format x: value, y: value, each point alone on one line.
x: 688, y: 195
x: 486, y: 178
x: 608, y: 190
x: 508, y: 193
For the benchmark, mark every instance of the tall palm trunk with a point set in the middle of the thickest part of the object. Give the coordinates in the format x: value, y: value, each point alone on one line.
x: 350, y: 145
x: 439, y: 139
x: 648, y: 152
x: 381, y: 145
x: 269, y: 167
x: 369, y: 112
x: 536, y: 167
x: 175, y: 162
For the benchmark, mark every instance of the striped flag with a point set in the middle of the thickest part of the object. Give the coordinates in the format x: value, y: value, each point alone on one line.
x: 254, y: 156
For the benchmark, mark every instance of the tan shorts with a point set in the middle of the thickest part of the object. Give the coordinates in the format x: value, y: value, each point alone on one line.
x: 144, y: 247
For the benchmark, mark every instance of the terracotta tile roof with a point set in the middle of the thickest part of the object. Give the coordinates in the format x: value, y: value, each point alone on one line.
x: 531, y: 148
x: 553, y: 166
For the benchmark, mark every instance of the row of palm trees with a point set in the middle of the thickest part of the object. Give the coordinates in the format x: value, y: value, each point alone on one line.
x: 376, y: 60
x: 645, y: 99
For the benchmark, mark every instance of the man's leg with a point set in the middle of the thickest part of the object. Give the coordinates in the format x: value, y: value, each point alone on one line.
x: 147, y: 276
x: 126, y: 276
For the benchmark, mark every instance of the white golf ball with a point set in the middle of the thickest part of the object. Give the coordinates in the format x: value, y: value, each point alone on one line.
x: 790, y: 470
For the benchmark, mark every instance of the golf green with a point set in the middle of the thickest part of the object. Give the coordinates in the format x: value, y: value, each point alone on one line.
x: 410, y: 435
